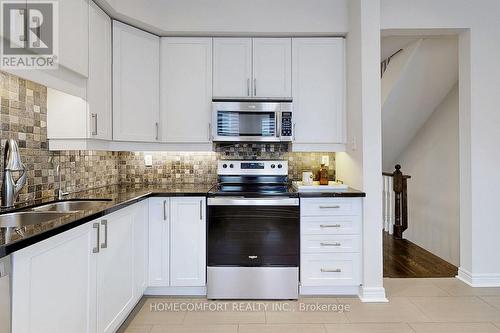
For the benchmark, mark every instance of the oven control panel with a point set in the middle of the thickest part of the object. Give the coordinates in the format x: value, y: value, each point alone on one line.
x: 228, y: 167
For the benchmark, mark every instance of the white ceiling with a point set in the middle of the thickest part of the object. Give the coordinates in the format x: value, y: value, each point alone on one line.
x: 233, y: 17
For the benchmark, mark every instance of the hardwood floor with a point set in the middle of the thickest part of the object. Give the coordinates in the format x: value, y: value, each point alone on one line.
x: 403, y: 259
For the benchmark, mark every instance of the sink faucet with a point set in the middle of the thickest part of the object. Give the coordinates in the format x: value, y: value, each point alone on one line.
x: 60, y: 193
x: 12, y: 163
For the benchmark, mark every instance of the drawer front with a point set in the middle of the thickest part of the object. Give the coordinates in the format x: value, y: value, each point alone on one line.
x: 330, y: 225
x: 330, y: 207
x: 330, y: 243
x: 340, y: 269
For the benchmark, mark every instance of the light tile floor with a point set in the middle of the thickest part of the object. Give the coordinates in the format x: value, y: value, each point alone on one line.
x: 416, y: 305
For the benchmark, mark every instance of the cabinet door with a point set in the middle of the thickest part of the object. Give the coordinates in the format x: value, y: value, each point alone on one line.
x: 318, y: 90
x: 186, y: 89
x: 136, y: 76
x: 272, y: 69
x: 54, y: 284
x: 74, y: 35
x: 141, y: 215
x: 159, y: 246
x: 99, y: 82
x: 187, y: 242
x: 115, y: 270
x: 232, y: 67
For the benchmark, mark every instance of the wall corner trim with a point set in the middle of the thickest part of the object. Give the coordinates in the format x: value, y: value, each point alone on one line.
x: 478, y: 280
x: 372, y: 295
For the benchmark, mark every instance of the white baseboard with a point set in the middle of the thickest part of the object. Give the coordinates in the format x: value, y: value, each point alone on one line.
x: 176, y: 291
x: 372, y: 295
x: 478, y: 280
x: 329, y: 290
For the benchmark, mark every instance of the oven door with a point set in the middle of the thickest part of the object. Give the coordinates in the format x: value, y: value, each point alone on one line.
x: 250, y: 232
x: 246, y: 121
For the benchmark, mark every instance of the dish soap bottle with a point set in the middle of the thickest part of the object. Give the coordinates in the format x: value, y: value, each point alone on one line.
x: 323, y: 175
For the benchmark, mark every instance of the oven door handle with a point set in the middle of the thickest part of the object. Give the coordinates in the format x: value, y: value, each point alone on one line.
x: 240, y: 201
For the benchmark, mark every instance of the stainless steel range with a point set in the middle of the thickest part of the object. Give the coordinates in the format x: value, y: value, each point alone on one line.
x: 253, y: 232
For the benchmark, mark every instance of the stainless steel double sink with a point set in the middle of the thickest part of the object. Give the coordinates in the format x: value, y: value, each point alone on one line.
x: 48, y: 212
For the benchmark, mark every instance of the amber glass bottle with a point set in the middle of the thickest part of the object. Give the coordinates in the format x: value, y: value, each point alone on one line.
x: 323, y: 175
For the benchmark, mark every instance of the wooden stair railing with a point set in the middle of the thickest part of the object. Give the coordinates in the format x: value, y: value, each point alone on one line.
x: 399, y: 186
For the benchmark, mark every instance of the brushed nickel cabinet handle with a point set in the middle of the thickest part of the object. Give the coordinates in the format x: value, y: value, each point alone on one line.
x: 96, y: 226
x: 94, y: 123
x: 329, y: 225
x: 255, y: 87
x: 336, y: 270
x: 164, y: 210
x: 330, y: 244
x: 209, y: 131
x: 329, y: 207
x: 248, y: 87
x: 157, y: 131
x: 104, y: 245
x: 293, y: 134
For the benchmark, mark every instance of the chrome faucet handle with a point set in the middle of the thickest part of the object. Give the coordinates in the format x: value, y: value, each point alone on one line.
x: 12, y: 163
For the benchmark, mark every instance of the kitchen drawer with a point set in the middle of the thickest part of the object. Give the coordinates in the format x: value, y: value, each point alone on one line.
x: 327, y: 269
x: 330, y: 243
x: 330, y: 225
x: 330, y: 206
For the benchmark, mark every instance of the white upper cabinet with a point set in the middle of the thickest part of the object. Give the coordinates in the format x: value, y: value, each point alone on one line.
x: 99, y: 81
x: 232, y: 67
x: 272, y: 68
x: 187, y: 244
x: 186, y: 89
x: 318, y: 70
x: 136, y: 71
x: 252, y: 67
x: 74, y: 35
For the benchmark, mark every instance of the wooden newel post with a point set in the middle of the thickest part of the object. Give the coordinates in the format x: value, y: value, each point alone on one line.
x: 401, y: 202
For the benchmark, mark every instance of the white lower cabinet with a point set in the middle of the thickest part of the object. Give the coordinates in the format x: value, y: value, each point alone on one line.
x: 115, y: 270
x: 177, y: 250
x: 159, y: 242
x: 187, y: 242
x: 330, y: 243
x: 54, y: 284
x: 86, y: 280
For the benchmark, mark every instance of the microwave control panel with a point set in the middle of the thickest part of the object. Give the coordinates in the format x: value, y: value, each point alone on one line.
x: 286, y: 124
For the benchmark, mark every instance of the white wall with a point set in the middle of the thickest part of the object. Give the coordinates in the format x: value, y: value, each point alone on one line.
x: 432, y: 160
x: 229, y: 17
x: 424, y: 81
x: 479, y: 120
x: 361, y: 164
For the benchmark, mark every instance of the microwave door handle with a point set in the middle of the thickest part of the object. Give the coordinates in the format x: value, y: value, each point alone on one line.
x: 277, y: 126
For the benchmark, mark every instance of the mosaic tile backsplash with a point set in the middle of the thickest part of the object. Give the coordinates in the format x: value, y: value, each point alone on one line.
x: 186, y: 168
x: 23, y: 115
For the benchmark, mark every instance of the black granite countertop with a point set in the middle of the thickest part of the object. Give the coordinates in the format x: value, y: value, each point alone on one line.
x: 117, y: 196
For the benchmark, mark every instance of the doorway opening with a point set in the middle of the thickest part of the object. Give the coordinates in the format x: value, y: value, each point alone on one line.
x: 420, y: 144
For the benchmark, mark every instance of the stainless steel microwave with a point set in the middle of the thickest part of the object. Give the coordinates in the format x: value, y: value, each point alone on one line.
x: 252, y: 120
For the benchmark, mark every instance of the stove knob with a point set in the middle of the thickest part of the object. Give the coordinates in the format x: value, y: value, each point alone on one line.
x: 224, y: 166
x: 279, y: 166
x: 273, y: 166
x: 231, y: 165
